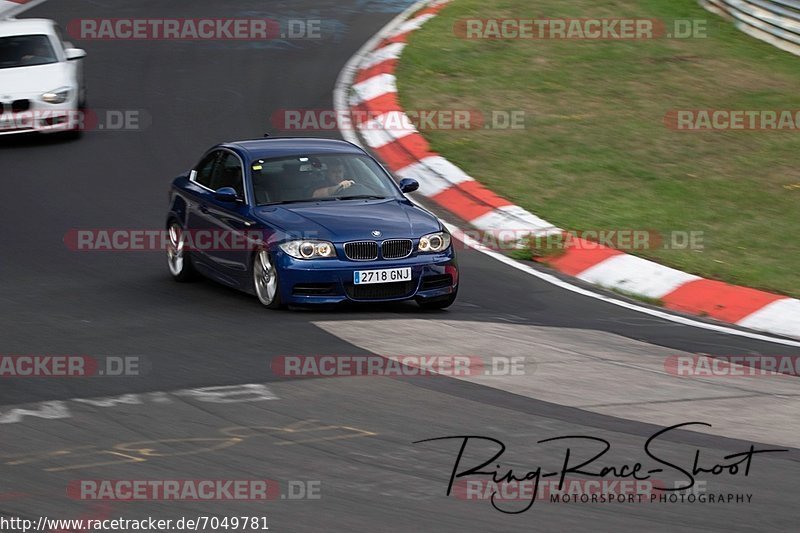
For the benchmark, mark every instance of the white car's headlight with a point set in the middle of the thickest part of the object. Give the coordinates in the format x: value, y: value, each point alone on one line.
x: 57, y: 96
x: 435, y: 242
x: 309, y: 249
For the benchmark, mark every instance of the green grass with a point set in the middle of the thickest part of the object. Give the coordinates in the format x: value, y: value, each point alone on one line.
x: 595, y: 153
x: 657, y: 302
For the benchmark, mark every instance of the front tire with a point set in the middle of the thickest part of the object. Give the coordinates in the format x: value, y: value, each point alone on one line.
x: 178, y: 259
x: 77, y: 132
x: 438, y: 303
x: 266, y: 284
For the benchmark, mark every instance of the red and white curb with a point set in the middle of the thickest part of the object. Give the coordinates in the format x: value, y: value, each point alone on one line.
x: 368, y: 86
x: 9, y: 8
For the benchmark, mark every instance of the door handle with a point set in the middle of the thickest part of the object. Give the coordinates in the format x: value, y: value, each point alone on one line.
x: 204, y: 209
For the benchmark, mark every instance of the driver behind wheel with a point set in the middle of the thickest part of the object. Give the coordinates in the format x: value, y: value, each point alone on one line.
x: 335, y: 177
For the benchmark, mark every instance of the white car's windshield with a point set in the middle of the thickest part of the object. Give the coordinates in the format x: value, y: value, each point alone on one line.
x: 26, y: 51
x: 319, y: 178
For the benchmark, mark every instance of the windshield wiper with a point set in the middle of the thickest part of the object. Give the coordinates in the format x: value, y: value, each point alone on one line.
x: 289, y: 202
x: 328, y: 199
x: 361, y: 197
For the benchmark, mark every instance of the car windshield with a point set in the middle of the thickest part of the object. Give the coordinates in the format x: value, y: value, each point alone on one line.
x: 26, y: 51
x: 314, y: 178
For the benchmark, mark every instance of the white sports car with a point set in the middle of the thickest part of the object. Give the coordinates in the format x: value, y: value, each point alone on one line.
x: 42, y: 86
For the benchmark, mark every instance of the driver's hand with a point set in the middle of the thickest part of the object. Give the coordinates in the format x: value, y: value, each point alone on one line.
x: 346, y: 183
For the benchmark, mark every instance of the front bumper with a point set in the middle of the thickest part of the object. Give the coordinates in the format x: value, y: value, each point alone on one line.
x: 42, y: 118
x: 330, y: 281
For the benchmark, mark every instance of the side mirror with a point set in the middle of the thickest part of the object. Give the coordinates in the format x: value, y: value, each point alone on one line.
x: 226, y: 194
x: 408, y: 185
x: 74, y: 53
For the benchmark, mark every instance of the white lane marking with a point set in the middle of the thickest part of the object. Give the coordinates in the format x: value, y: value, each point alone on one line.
x: 340, y: 93
x: 125, y: 399
x: 249, y: 392
x: 46, y: 410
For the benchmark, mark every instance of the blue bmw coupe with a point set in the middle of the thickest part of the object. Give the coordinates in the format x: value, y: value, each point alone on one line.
x: 300, y: 221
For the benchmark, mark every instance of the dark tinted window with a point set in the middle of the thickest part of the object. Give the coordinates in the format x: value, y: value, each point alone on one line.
x: 205, y: 169
x: 26, y: 51
x: 319, y: 178
x: 228, y: 173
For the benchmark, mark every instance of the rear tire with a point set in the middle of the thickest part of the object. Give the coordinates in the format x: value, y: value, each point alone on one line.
x: 178, y: 259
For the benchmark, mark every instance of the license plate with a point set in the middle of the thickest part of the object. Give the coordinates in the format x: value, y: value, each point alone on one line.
x: 389, y: 275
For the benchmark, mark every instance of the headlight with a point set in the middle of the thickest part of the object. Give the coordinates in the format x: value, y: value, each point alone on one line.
x: 309, y: 249
x: 57, y: 96
x: 435, y: 242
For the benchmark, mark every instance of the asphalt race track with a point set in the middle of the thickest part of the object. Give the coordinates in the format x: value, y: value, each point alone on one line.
x: 352, y: 436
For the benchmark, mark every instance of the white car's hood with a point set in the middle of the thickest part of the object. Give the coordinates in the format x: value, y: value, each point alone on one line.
x: 28, y: 81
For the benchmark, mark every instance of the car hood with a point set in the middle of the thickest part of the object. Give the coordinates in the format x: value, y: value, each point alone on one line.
x: 351, y: 220
x: 29, y: 81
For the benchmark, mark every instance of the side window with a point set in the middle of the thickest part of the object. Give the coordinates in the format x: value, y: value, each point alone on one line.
x: 205, y: 169
x: 228, y: 173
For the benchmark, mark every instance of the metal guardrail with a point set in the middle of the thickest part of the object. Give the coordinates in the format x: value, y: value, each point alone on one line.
x: 776, y: 22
